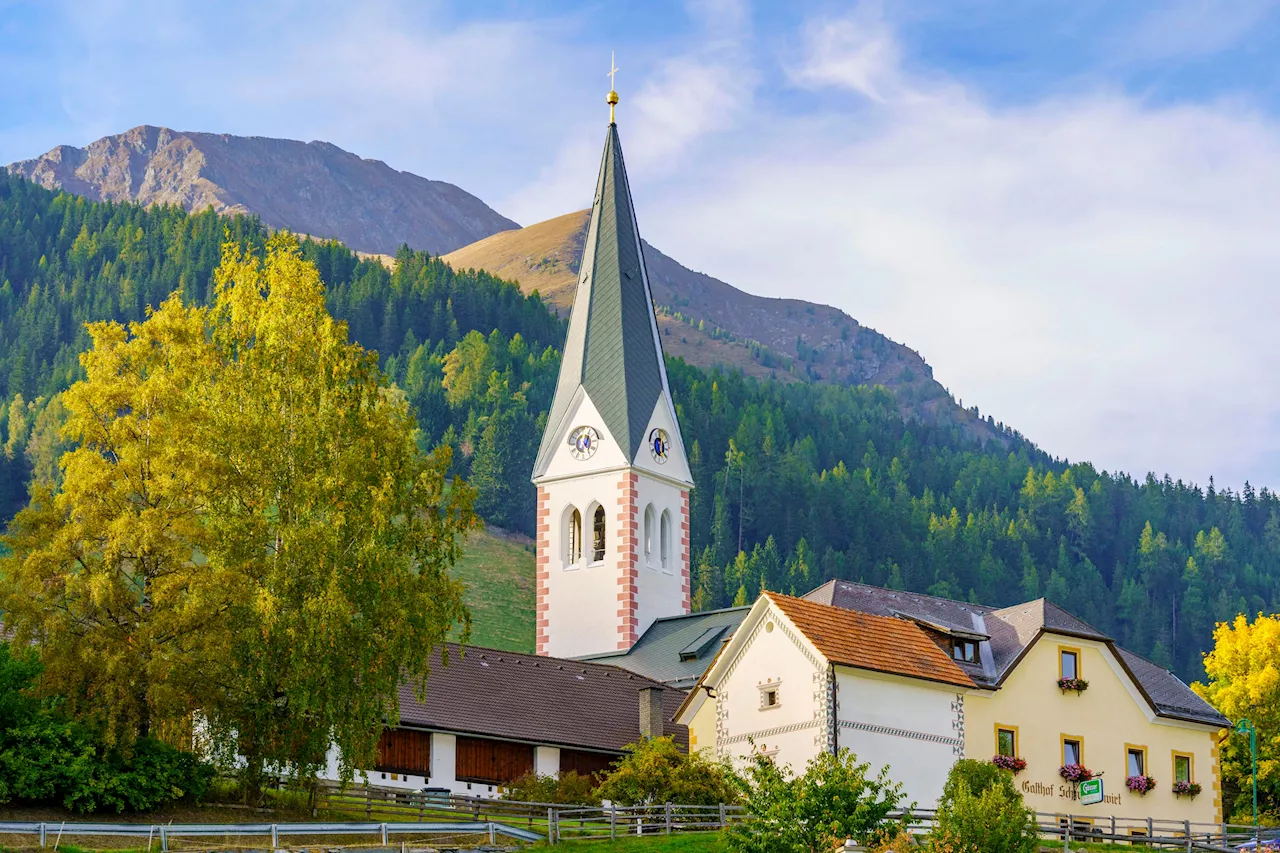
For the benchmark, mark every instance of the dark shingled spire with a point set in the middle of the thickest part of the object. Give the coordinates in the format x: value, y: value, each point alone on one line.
x: 612, y: 350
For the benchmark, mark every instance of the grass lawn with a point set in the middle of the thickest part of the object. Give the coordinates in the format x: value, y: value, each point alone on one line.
x: 497, y: 569
x: 693, y: 842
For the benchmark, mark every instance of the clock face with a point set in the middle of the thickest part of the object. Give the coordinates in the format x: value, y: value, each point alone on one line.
x: 583, y: 442
x: 659, y: 445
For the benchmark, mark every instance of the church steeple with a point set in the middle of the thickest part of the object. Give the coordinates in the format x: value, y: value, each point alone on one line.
x: 613, y: 351
x: 613, y: 481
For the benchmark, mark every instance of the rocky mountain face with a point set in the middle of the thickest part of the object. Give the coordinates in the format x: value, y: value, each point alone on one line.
x: 309, y: 187
x: 707, y: 321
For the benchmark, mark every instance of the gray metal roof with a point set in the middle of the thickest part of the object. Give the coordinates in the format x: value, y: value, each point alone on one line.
x: 612, y: 350
x: 678, y: 649
x: 1011, y: 631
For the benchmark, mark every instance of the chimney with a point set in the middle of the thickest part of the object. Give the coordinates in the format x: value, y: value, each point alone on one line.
x: 652, y: 719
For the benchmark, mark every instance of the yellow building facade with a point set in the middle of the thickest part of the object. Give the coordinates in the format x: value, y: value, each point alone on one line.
x: 1112, y: 728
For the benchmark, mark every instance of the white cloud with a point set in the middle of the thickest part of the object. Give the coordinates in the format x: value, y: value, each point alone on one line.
x: 857, y: 52
x: 1095, y: 272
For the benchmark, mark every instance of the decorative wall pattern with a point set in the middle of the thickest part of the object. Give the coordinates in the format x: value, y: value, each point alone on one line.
x: 773, y: 732
x: 824, y: 694
x: 903, y: 733
x: 957, y: 725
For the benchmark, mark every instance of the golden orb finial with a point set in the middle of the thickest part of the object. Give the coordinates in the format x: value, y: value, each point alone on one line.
x: 613, y: 95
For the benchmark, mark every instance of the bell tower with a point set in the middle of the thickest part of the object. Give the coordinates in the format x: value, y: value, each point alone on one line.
x: 613, y: 480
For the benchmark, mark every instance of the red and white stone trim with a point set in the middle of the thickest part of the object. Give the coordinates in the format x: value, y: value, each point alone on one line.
x: 628, y: 561
x: 685, y: 558
x: 542, y: 570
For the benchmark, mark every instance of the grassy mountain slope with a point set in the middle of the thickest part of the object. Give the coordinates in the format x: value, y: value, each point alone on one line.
x: 313, y: 188
x: 497, y: 568
x: 708, y: 322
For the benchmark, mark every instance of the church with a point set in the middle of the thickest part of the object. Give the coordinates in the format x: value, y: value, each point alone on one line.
x: 907, y: 680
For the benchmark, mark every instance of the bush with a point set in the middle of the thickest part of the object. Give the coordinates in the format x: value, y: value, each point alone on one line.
x: 979, y: 776
x: 48, y: 759
x: 658, y: 771
x: 570, y: 788
x: 834, y: 800
x: 993, y: 820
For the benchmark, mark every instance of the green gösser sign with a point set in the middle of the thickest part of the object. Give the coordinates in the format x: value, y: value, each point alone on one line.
x: 1090, y: 792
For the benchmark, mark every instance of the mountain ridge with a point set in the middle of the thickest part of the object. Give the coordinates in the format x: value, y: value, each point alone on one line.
x: 707, y: 321
x: 314, y: 188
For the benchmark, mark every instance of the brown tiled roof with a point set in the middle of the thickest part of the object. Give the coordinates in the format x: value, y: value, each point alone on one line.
x: 1012, y: 630
x: 865, y: 641
x: 544, y: 700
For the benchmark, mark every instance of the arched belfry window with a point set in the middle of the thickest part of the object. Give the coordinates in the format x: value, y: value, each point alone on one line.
x: 648, y: 535
x: 573, y: 539
x: 597, y: 536
x: 665, y: 539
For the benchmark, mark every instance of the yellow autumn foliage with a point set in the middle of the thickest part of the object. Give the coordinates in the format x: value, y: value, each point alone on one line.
x: 1244, y: 682
x: 244, y: 529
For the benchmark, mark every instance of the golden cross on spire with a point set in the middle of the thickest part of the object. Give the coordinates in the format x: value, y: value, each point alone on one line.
x: 613, y: 95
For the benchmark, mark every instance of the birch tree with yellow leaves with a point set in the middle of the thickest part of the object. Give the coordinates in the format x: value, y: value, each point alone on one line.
x: 245, y: 531
x: 1244, y: 682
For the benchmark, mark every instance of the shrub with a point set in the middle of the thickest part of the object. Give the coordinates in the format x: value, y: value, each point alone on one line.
x: 834, y: 800
x: 992, y: 821
x: 978, y: 775
x: 46, y: 758
x: 657, y: 771
x: 570, y: 788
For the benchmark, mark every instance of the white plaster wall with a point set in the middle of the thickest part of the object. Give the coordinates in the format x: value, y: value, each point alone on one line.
x: 582, y: 598
x: 546, y: 761
x: 795, y: 730
x: 915, y: 727
x: 659, y: 590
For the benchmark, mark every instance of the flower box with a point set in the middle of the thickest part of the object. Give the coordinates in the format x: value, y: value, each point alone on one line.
x: 1186, y: 789
x: 1010, y: 762
x: 1075, y: 772
x: 1079, y: 685
x: 1140, y: 784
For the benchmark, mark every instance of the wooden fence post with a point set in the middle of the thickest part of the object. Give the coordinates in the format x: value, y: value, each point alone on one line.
x: 368, y: 800
x: 667, y: 809
x: 723, y: 824
x: 613, y: 821
x: 551, y: 825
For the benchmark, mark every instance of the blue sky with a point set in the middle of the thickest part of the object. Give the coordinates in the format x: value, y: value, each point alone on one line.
x: 1069, y: 209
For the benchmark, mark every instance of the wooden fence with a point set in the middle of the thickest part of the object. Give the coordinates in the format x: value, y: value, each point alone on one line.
x: 558, y: 821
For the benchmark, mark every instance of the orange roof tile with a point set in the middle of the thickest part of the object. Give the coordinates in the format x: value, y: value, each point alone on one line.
x: 879, y: 643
